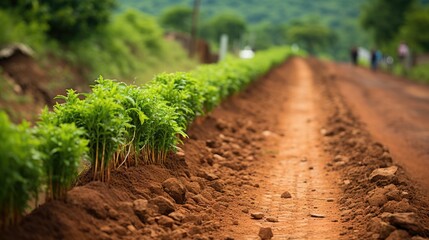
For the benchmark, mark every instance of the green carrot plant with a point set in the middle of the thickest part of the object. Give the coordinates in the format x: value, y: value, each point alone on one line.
x: 20, y: 170
x: 62, y: 148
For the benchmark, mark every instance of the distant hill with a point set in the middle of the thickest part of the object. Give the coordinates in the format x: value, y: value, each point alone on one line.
x: 341, y: 15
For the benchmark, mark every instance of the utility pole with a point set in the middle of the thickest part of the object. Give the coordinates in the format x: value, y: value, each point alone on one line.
x: 193, y: 43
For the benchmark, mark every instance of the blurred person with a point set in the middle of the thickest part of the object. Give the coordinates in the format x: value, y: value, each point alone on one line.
x: 404, y: 55
x: 374, y: 60
x: 354, y: 55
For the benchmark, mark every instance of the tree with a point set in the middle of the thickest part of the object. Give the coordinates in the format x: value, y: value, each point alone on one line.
x: 265, y: 35
x: 384, y: 18
x: 311, y: 35
x: 178, y: 18
x: 66, y: 19
x: 225, y: 23
x: 71, y: 19
x: 415, y: 30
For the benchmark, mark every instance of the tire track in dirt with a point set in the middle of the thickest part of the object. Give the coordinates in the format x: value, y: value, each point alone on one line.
x: 298, y: 167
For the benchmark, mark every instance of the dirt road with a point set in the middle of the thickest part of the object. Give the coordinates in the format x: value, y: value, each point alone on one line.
x: 396, y: 112
x: 297, y: 155
x: 298, y: 168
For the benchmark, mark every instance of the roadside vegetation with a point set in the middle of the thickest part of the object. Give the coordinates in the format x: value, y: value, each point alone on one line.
x: 113, y: 126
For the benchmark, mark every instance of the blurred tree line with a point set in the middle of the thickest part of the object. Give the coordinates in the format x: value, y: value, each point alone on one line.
x: 308, y: 32
x: 393, y: 21
x: 275, y: 22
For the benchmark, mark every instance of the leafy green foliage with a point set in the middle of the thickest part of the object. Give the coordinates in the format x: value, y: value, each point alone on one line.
x: 230, y: 24
x: 311, y: 35
x: 177, y: 18
x: 62, y: 148
x: 420, y: 73
x: 16, y: 30
x: 182, y: 92
x: 161, y: 132
x: 414, y: 31
x: 66, y: 19
x: 384, y: 18
x: 70, y: 19
x: 104, y: 120
x: 20, y: 170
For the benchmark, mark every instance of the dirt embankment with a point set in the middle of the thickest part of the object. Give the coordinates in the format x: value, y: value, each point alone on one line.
x: 286, y: 157
x: 28, y: 85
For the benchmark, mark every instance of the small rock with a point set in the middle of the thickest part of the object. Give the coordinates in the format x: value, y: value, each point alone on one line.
x: 207, y: 175
x: 193, y: 187
x: 106, y: 229
x: 165, y: 206
x: 406, y: 221
x: 323, y: 132
x: 218, y: 158
x: 235, y: 222
x: 140, y: 207
x: 177, y: 216
x: 180, y: 154
x: 398, y: 207
x: 310, y: 168
x: 131, y: 228
x: 347, y: 182
x: 257, y: 215
x: 304, y: 159
x: 330, y: 200
x: 316, y: 215
x: 392, y: 192
x: 211, y: 143
x: 229, y: 238
x: 286, y: 195
x: 383, y: 229
x: 338, y: 158
x: 399, y: 235
x: 377, y: 197
x: 175, y: 189
x: 121, y: 231
x: 272, y: 219
x: 267, y: 133
x: 383, y: 174
x: 113, y: 214
x: 265, y: 233
x: 217, y: 185
x: 246, y: 210
x: 200, y: 200
x: 165, y: 221
x: 419, y: 238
